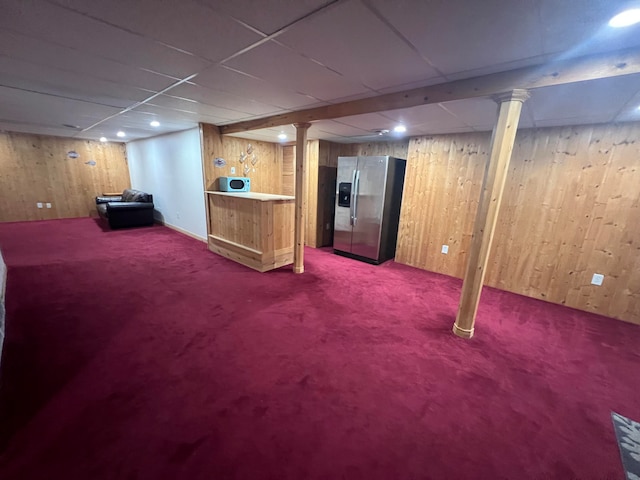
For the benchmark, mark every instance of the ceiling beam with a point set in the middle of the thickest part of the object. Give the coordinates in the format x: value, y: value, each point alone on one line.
x: 611, y: 64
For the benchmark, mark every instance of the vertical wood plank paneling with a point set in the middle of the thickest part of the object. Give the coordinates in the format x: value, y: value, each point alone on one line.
x: 266, y: 175
x: 578, y: 188
x: 311, y: 193
x: 570, y: 209
x: 36, y: 168
x: 323, y: 179
x: 288, y: 169
x: 440, y: 198
x: 397, y: 149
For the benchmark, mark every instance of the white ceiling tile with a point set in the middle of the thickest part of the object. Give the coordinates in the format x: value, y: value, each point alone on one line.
x: 425, y: 115
x: 34, y: 129
x: 28, y: 76
x: 109, y: 129
x: 24, y: 106
x: 600, y: 99
x: 211, y: 35
x: 579, y: 27
x: 142, y: 120
x: 336, y: 129
x: 179, y: 116
x: 458, y: 35
x: 39, y: 52
x: 629, y: 115
x: 118, y: 54
x: 251, y: 88
x: 268, y: 20
x: 412, y: 85
x: 182, y: 104
x: 40, y: 19
x: 359, y: 46
x: 222, y: 99
x: 368, y: 121
x: 279, y: 65
x: 631, y: 111
x: 479, y: 113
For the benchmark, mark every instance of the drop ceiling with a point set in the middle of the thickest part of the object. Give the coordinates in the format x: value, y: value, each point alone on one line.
x: 88, y: 69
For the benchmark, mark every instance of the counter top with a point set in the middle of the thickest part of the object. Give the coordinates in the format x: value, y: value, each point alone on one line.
x: 262, y: 197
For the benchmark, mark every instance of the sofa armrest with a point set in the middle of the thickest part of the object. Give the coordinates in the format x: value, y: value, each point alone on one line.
x: 128, y: 206
x: 107, y: 199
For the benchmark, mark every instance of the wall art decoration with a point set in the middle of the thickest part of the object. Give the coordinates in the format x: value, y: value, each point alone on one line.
x: 248, y: 158
x: 219, y: 162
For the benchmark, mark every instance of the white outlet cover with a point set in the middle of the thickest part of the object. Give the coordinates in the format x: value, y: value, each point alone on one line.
x: 233, y: 170
x: 39, y: 204
x: 445, y: 249
x: 597, y: 279
x: 48, y: 205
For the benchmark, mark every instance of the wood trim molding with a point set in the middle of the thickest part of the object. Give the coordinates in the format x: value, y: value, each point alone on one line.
x: 592, y: 67
x: 300, y: 206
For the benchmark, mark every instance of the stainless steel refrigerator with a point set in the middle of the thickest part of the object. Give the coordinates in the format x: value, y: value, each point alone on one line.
x: 368, y: 197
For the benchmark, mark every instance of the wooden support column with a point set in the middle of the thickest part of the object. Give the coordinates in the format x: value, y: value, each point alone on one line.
x: 502, y: 140
x: 301, y: 155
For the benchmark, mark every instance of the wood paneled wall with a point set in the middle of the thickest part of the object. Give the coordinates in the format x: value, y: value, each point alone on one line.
x: 288, y: 170
x: 36, y: 168
x: 398, y: 149
x: 441, y: 193
x: 322, y: 163
x: 266, y: 174
x: 570, y: 209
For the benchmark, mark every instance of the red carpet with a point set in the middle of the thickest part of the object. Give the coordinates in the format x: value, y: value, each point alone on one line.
x: 137, y: 354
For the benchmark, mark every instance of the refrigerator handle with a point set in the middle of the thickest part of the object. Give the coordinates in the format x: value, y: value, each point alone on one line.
x: 351, y: 203
x: 356, y: 189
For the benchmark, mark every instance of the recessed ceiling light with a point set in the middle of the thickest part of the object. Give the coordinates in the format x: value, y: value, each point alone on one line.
x: 121, y: 134
x: 155, y: 123
x: 626, y: 18
x: 103, y: 139
x: 282, y: 136
x: 381, y: 132
x: 399, y: 129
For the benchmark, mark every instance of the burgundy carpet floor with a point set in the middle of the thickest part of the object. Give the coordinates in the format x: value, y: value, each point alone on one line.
x: 137, y: 354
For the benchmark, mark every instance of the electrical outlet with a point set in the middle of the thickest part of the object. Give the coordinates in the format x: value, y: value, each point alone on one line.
x: 233, y: 170
x: 597, y: 279
x: 48, y: 205
x: 39, y: 204
x: 177, y: 214
x: 328, y: 226
x: 445, y: 249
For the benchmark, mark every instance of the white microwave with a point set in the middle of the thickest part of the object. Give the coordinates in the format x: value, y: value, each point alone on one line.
x: 235, y: 184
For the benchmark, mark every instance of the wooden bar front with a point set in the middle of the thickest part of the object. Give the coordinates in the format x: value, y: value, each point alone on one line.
x: 254, y: 229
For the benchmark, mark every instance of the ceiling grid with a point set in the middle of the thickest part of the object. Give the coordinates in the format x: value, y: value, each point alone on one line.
x: 112, y: 65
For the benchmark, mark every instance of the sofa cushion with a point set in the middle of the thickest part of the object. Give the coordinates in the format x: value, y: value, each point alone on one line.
x: 102, y: 210
x: 130, y: 195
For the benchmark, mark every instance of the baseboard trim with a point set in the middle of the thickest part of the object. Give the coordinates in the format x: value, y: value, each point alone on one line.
x: 181, y: 230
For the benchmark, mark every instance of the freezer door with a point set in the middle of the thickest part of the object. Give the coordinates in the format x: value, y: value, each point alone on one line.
x: 344, y: 203
x: 369, y: 193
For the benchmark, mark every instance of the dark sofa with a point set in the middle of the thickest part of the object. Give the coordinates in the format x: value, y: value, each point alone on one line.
x: 131, y: 209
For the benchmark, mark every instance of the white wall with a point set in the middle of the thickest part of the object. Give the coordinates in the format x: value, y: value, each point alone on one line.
x: 170, y: 168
